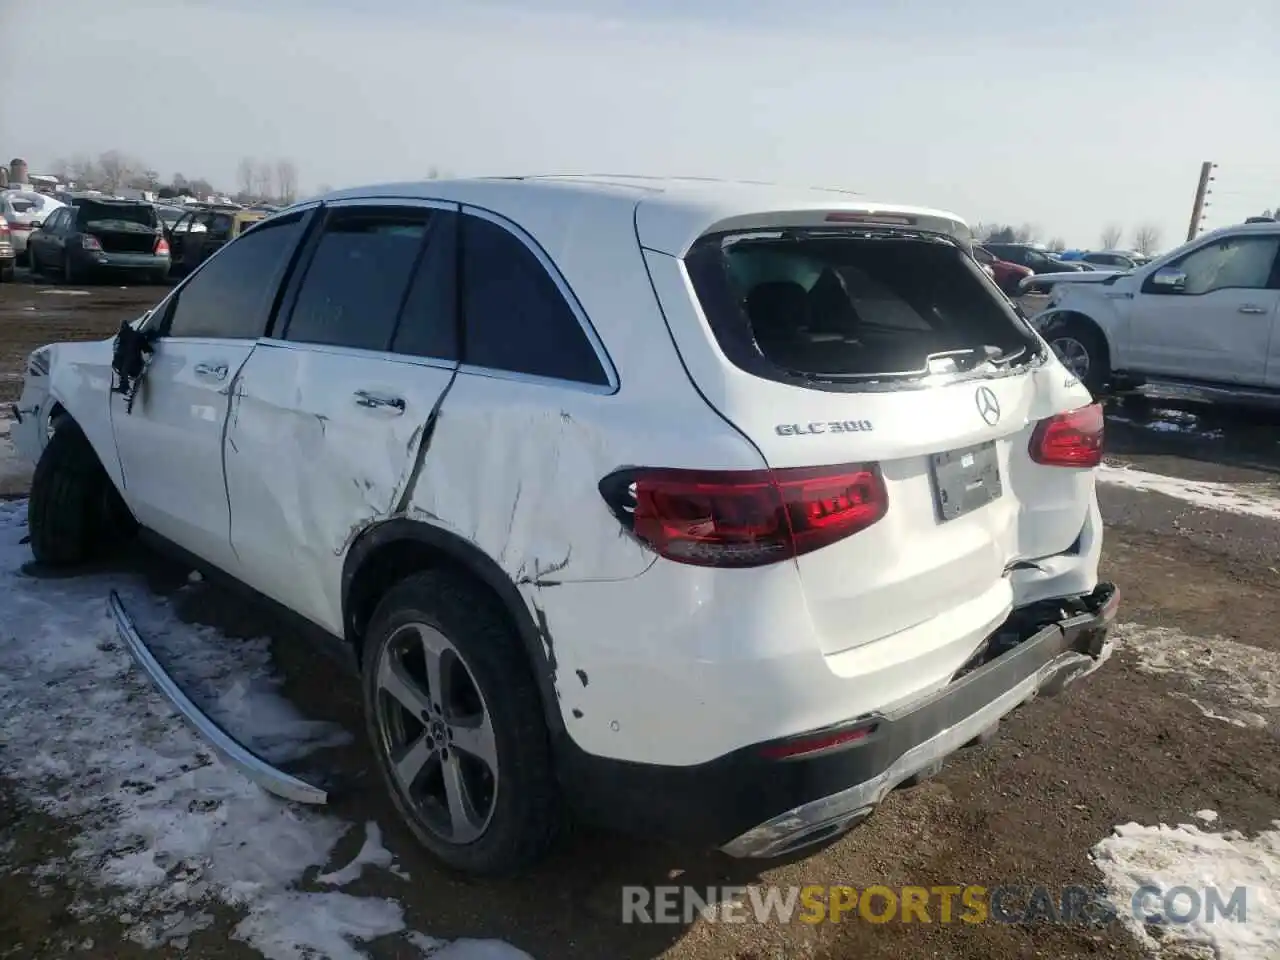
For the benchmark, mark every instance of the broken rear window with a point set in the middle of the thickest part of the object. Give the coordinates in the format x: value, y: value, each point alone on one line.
x: 846, y: 308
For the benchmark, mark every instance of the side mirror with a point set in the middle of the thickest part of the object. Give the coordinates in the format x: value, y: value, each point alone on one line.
x: 1169, y: 280
x: 37, y: 224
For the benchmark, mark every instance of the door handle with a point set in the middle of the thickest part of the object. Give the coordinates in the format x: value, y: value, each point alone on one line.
x: 214, y: 371
x: 375, y: 401
x: 1252, y: 308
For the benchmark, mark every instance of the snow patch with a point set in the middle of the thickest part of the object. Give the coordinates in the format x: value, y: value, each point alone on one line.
x: 164, y: 829
x: 372, y: 854
x: 68, y: 293
x: 1230, y: 682
x: 1253, y: 500
x: 1164, y: 858
x: 1208, y: 816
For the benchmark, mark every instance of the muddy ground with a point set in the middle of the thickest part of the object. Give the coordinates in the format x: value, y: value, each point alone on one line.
x: 1127, y: 745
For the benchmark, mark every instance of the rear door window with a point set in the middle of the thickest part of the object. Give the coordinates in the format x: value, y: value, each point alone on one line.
x: 825, y: 306
x: 358, y: 277
x: 515, y: 317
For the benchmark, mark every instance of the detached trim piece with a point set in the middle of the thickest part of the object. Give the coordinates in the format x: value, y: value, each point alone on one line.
x: 262, y: 773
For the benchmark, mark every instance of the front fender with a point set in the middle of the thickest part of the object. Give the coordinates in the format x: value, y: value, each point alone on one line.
x: 79, y: 383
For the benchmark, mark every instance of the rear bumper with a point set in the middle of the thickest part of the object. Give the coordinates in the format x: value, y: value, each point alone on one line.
x: 752, y: 805
x: 133, y: 262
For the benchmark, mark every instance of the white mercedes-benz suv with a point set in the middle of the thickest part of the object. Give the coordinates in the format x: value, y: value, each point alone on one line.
x: 708, y: 511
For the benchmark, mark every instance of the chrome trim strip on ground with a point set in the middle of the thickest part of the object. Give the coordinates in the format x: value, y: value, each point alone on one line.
x: 233, y: 752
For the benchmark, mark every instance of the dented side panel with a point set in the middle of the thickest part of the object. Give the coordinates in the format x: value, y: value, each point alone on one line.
x: 322, y: 442
x: 80, y: 382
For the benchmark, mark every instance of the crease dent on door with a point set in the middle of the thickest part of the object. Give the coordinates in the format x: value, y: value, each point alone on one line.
x: 399, y: 495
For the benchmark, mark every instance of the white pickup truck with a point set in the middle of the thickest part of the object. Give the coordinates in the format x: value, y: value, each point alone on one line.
x: 1204, y: 318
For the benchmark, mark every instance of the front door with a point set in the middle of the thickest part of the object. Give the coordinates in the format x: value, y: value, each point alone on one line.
x: 207, y: 329
x: 1216, y: 325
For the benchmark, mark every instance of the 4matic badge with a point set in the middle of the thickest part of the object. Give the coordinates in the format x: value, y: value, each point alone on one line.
x: 822, y: 426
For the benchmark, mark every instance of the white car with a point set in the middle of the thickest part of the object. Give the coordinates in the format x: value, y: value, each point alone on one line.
x: 1205, y: 317
x: 707, y: 511
x: 25, y: 211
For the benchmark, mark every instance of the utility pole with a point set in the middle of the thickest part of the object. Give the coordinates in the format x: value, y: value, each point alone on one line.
x: 1202, y: 191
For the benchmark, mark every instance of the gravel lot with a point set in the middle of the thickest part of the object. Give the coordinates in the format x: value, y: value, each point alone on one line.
x: 120, y: 837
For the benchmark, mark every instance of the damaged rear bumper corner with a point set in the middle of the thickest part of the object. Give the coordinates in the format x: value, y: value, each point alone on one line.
x: 270, y: 778
x: 920, y: 737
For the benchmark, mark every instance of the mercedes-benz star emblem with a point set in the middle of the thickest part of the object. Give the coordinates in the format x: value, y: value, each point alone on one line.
x: 988, y: 405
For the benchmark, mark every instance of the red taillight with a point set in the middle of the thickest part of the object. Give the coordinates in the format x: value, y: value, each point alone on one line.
x: 20, y: 226
x: 745, y: 518
x: 90, y: 243
x: 1072, y: 439
x: 4, y: 228
x: 162, y: 247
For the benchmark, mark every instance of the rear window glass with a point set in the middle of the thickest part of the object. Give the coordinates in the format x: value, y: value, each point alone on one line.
x: 848, y: 308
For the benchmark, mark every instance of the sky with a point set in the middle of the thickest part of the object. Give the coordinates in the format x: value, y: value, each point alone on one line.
x: 1068, y: 116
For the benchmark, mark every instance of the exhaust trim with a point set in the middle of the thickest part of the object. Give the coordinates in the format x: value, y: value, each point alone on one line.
x: 252, y: 766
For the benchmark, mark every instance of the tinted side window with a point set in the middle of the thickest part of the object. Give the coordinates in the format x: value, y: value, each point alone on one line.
x: 515, y: 316
x: 428, y: 324
x: 231, y: 295
x: 355, y: 283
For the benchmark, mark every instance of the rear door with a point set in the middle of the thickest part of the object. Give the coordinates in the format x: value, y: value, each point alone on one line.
x: 208, y: 327
x: 847, y: 349
x: 331, y: 410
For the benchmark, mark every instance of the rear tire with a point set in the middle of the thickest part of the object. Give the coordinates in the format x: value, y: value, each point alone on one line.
x: 158, y: 277
x: 1082, y: 350
x: 69, y: 273
x: 6, y: 274
x: 483, y: 690
x: 75, y: 513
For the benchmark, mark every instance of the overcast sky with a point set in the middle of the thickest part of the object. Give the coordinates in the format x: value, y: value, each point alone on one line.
x: 1068, y: 115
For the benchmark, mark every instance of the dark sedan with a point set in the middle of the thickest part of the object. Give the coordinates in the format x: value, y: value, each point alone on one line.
x: 100, y: 236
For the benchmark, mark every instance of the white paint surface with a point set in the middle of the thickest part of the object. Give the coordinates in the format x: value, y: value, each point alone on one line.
x: 163, y: 831
x: 1254, y: 500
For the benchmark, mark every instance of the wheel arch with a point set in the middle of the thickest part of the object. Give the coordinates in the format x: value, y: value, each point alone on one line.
x: 387, y: 551
x: 1052, y: 320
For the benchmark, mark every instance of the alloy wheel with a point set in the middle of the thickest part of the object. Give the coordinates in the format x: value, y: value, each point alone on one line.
x: 1073, y: 354
x: 436, y: 734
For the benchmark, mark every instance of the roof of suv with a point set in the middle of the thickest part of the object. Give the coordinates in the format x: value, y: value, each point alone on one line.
x: 670, y: 213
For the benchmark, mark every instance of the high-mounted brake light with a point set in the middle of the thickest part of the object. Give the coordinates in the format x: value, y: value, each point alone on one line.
x: 746, y: 518
x: 1072, y: 439
x: 851, y: 216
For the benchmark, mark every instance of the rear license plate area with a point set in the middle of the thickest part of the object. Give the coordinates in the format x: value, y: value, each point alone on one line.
x: 965, y: 480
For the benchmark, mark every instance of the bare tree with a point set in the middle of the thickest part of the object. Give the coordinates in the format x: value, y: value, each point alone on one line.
x: 83, y: 171
x: 262, y: 177
x: 1027, y: 233
x: 116, y: 170
x: 245, y: 174
x: 61, y: 169
x: 286, y: 181
x: 1057, y: 244
x: 1146, y: 239
x: 200, y: 187
x: 1111, y: 235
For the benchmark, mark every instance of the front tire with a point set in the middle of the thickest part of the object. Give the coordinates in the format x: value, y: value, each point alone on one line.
x: 75, y: 513
x: 1082, y: 350
x: 457, y: 726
